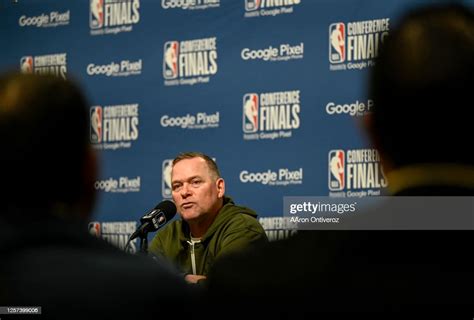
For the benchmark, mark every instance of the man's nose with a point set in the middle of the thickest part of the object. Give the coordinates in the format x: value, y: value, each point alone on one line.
x: 185, y: 191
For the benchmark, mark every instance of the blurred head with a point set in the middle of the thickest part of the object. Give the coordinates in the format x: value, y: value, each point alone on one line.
x: 46, y: 160
x: 197, y: 187
x: 421, y: 85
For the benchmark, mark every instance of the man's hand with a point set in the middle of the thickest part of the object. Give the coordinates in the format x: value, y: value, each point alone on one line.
x: 194, y: 278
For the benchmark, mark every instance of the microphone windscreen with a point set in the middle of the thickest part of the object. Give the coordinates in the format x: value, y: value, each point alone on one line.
x: 168, y: 208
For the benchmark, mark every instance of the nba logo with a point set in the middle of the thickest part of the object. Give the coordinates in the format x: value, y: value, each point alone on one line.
x: 96, y: 124
x: 166, y: 178
x: 250, y: 113
x: 26, y: 64
x: 337, y: 43
x: 336, y: 170
x: 170, y: 60
x: 96, y: 16
x: 251, y: 5
x: 94, y: 229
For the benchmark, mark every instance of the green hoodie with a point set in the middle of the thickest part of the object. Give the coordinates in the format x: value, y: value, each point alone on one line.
x: 233, y: 229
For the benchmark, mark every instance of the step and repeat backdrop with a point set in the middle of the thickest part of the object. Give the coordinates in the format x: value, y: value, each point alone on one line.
x: 273, y: 90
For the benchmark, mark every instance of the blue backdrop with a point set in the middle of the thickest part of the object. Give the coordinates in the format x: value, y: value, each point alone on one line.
x: 274, y: 90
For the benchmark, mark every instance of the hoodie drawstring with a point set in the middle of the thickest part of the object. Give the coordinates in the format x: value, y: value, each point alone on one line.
x: 193, y: 256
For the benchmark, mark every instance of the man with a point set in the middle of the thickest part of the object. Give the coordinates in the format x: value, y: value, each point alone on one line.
x: 48, y: 258
x: 211, y: 226
x: 421, y: 83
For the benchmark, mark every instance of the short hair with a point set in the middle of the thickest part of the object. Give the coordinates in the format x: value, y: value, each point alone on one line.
x: 422, y: 85
x: 211, y: 164
x: 43, y: 136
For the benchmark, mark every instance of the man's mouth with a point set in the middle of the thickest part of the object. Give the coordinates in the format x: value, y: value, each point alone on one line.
x: 187, y: 205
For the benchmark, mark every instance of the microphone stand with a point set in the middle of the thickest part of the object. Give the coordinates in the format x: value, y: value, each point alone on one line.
x: 144, y: 243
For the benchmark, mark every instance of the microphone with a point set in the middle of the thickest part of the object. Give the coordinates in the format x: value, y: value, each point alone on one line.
x: 155, y: 219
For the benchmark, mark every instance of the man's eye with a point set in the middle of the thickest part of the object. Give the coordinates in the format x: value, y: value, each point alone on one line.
x: 176, y: 187
x: 196, y: 182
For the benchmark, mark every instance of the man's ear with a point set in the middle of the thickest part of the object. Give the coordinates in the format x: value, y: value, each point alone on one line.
x: 369, y: 128
x: 89, y: 176
x: 220, y: 184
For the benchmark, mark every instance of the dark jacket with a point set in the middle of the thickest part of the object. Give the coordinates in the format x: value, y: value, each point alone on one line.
x: 427, y: 272
x: 234, y: 229
x: 59, y: 266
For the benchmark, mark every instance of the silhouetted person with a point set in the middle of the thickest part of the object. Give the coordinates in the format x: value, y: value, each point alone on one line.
x: 421, y: 85
x: 48, y: 258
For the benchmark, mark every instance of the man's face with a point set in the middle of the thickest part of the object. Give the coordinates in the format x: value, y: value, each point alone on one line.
x: 195, y: 192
